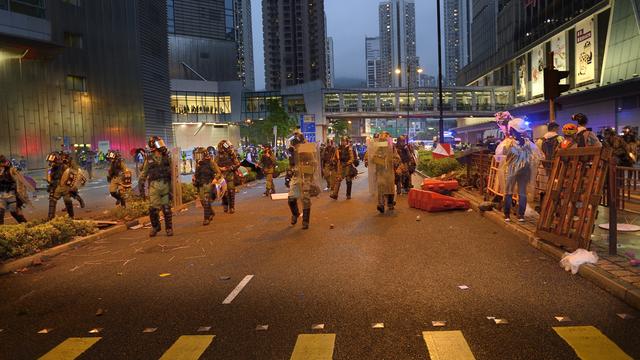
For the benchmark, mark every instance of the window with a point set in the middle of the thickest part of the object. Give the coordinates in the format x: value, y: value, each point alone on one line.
x: 73, y: 40
x: 35, y: 8
x: 171, y: 23
x: 76, y: 83
x: 73, y: 2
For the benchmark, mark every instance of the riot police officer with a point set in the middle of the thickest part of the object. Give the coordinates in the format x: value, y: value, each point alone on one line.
x: 12, y: 194
x: 407, y: 165
x: 77, y: 176
x: 380, y: 160
x: 268, y: 165
x: 206, y: 172
x: 157, y: 169
x: 58, y: 188
x: 118, y: 177
x: 228, y: 162
x: 329, y: 163
x: 302, y: 177
x: 345, y: 169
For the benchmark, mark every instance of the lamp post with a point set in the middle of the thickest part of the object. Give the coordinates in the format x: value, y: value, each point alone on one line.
x: 398, y: 72
x: 441, y: 122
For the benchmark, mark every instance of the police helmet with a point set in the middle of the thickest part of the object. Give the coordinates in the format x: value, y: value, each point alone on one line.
x: 200, y: 154
x: 156, y: 143
x: 112, y: 155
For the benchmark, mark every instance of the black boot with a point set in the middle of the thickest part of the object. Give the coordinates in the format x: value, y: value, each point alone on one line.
x: 391, y: 203
x: 2, y: 211
x: 79, y: 199
x: 295, y: 211
x: 336, y: 190
x: 123, y: 202
x: 168, y: 223
x: 349, y: 185
x: 306, y: 214
x: 69, y: 206
x: 154, y: 216
x: 16, y: 215
x: 232, y: 202
x: 208, y: 212
x: 116, y: 196
x: 52, y: 208
x: 225, y: 201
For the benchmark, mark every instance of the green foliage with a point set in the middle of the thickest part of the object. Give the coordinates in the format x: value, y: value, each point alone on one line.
x: 261, y: 131
x: 282, y: 166
x: 437, y: 167
x: 189, y: 192
x: 136, y: 207
x: 251, y: 176
x: 339, y: 128
x: 30, y: 238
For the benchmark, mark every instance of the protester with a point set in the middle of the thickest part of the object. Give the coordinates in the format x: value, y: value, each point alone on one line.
x: 550, y: 142
x: 584, y: 137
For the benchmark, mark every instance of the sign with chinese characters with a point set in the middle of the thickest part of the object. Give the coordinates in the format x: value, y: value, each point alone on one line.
x: 537, y: 70
x: 559, y: 49
x: 308, y: 127
x: 585, y: 47
x: 521, y: 77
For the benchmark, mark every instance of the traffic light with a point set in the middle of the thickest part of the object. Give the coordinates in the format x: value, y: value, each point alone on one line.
x: 552, y: 86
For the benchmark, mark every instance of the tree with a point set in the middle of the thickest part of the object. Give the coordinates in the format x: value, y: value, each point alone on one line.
x: 339, y: 127
x: 261, y: 132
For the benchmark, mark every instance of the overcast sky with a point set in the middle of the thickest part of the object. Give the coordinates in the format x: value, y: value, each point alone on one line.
x: 348, y: 21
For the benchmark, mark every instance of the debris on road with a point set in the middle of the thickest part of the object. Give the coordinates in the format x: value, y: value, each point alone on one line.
x: 164, y: 275
x: 204, y: 328
x: 100, y: 312
x: 573, y: 260
x: 149, y: 330
x: 331, y: 226
x: 463, y: 287
x: 262, y: 327
x: 501, y: 321
x: 377, y: 326
x: 95, y: 331
x: 418, y: 218
x: 45, y: 331
x: 317, y: 327
x: 224, y: 278
x: 563, y: 318
x: 439, y: 323
x: 624, y: 316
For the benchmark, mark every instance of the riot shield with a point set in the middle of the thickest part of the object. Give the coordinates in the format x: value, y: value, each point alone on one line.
x: 381, y: 175
x: 74, y: 178
x: 308, y: 163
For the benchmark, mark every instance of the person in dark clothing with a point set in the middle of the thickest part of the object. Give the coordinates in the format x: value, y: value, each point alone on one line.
x: 11, y: 198
x: 157, y: 169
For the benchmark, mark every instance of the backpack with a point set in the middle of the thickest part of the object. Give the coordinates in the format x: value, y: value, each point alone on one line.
x: 581, y: 138
x: 549, y: 147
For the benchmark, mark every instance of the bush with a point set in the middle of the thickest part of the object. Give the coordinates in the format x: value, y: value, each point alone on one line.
x: 282, y: 166
x: 437, y: 167
x: 251, y: 176
x: 30, y: 238
x: 136, y: 207
x: 189, y: 192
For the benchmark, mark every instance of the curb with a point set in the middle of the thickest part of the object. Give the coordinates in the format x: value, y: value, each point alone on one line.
x: 618, y: 288
x: 39, y: 258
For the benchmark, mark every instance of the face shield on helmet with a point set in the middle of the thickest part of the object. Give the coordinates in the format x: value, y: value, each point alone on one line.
x: 112, y: 155
x: 157, y: 143
x: 200, y: 154
x: 224, y: 145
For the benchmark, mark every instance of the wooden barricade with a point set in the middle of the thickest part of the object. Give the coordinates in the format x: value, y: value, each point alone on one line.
x: 573, y: 193
x: 481, y: 162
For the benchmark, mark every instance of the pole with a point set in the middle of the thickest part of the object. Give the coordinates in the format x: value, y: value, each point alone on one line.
x: 441, y: 123
x: 408, y: 101
x: 552, y: 110
x: 613, y: 209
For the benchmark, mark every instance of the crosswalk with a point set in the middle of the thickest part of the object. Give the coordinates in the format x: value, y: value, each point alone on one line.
x: 587, y: 342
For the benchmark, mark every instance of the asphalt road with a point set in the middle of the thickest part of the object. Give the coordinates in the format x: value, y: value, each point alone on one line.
x: 367, y: 268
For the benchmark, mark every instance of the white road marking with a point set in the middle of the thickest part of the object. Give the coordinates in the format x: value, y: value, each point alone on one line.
x: 238, y: 289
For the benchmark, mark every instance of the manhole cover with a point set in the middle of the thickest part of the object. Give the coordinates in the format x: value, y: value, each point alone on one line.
x: 621, y: 227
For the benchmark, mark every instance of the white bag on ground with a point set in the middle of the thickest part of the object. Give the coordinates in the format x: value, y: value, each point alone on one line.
x: 575, y: 259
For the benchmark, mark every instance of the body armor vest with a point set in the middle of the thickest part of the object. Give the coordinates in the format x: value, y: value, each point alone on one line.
x: 226, y: 159
x: 344, y: 153
x: 404, y: 154
x: 204, y: 172
x: 329, y: 153
x: 7, y: 183
x: 115, y: 169
x: 159, y: 168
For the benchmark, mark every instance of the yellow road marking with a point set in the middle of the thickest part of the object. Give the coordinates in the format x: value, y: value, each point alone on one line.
x: 590, y: 344
x: 314, y: 347
x: 188, y: 347
x: 70, y: 348
x: 447, y: 345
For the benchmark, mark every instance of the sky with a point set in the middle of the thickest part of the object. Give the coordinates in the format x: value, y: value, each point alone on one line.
x: 348, y: 22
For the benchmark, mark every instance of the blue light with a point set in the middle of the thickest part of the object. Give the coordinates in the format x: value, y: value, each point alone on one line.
x: 527, y: 123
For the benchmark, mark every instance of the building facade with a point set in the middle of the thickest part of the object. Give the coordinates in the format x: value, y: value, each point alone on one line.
x: 592, y: 39
x: 373, y: 61
x: 331, y: 76
x: 94, y: 74
x: 397, y: 25
x: 456, y: 37
x: 294, y: 42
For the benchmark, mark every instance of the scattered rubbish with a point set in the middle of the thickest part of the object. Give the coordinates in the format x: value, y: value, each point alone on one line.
x: 164, y: 275
x: 624, y: 316
x: 1, y: 330
x: 463, y: 287
x: 491, y: 317
x: 183, y: 210
x: 75, y: 268
x: 630, y: 254
x: 439, y: 323
x: 377, y: 326
x: 262, y: 327
x: 36, y: 261
x: 317, y: 327
x: 224, y: 277
x: 100, y: 312
x: 149, y: 330
x: 136, y: 227
x: 563, y: 318
x: 634, y: 262
x: 470, y: 210
x: 95, y: 331
x: 575, y: 259
x: 45, y: 331
x: 485, y: 206
x: 204, y: 328
x: 418, y: 218
x: 119, y: 274
x: 501, y: 321
x: 331, y: 226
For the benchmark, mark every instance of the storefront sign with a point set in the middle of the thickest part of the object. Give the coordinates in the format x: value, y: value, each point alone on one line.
x: 559, y: 49
x: 537, y: 70
x: 585, y: 46
x: 521, y: 77
x: 308, y: 127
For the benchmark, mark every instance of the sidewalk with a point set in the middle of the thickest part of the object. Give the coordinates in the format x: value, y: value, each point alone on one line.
x: 612, y: 273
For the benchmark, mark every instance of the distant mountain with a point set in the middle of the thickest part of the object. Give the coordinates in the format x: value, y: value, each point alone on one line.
x: 346, y: 83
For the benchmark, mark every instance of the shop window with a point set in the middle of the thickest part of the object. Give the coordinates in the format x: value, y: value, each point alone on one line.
x: 73, y: 40
x: 76, y: 83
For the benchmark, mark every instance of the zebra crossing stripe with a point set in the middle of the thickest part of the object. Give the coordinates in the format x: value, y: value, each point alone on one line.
x: 314, y: 347
x: 70, y: 348
x: 590, y: 344
x: 188, y: 347
x: 447, y: 345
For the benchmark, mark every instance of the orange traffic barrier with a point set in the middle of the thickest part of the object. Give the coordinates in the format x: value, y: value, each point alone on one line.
x: 431, y: 201
x: 439, y: 185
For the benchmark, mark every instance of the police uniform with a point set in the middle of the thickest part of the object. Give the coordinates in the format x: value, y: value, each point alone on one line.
x: 228, y: 162
x: 406, y: 167
x: 119, y: 178
x: 58, y: 188
x: 344, y: 169
x: 157, y: 170
x: 329, y: 163
x: 301, y: 178
x: 206, y: 172
x: 10, y: 198
x: 268, y: 165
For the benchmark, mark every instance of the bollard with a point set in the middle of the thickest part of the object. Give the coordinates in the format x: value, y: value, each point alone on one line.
x: 613, y: 209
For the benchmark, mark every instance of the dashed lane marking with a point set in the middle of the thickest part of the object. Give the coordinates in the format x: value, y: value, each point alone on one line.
x: 70, y: 348
x: 238, y: 289
x: 314, y: 347
x: 447, y: 345
x: 590, y: 344
x: 188, y: 347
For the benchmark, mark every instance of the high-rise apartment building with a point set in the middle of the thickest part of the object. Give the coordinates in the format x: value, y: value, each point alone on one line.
x: 373, y: 61
x: 457, y: 37
x: 398, y: 43
x: 211, y: 40
x: 294, y: 42
x: 331, y: 76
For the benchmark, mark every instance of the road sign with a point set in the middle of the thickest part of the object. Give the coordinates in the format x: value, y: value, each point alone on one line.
x: 308, y: 126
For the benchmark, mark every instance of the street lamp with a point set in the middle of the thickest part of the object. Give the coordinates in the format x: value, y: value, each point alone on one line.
x: 398, y: 72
